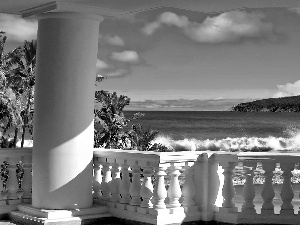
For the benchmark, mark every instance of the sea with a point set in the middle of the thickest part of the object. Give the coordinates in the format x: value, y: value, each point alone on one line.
x: 223, y: 130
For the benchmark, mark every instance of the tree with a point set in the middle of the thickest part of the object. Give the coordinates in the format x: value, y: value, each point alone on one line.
x: 10, y: 112
x: 112, y: 119
x: 21, y: 64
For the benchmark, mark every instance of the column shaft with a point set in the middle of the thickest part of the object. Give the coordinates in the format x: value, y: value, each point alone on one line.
x: 64, y: 102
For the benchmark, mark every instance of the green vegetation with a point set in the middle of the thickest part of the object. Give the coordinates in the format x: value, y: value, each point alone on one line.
x: 16, y: 90
x: 114, y: 130
x: 17, y: 80
x: 286, y: 104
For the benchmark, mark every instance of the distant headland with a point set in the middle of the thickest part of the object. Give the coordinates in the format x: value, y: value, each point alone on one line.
x: 285, y: 104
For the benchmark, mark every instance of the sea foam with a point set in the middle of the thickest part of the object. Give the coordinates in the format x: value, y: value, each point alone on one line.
x: 232, y: 144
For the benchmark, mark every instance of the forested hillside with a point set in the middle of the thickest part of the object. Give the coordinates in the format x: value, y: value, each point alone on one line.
x: 285, y: 104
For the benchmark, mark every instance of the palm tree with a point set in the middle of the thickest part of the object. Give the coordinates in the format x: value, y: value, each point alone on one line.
x: 21, y: 63
x: 10, y: 108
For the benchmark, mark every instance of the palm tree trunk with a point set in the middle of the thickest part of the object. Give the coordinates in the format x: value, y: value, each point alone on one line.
x: 15, y: 137
x: 26, y: 119
x: 23, y: 135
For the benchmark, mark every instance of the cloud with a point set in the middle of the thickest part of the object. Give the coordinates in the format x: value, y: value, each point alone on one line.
x: 109, y: 70
x: 118, y: 72
x: 227, y: 27
x: 18, y: 29
x: 151, y: 27
x: 126, y: 56
x: 101, y: 65
x: 289, y: 89
x: 114, y: 40
x: 295, y: 10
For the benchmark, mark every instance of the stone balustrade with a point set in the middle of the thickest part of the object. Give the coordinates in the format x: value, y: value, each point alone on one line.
x: 173, y: 187
x: 16, y: 178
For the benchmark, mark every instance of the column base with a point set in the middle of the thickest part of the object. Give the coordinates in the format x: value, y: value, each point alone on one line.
x: 27, y: 214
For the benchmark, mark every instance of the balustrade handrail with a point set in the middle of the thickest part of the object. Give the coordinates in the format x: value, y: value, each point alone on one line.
x: 15, y: 151
x: 150, y: 156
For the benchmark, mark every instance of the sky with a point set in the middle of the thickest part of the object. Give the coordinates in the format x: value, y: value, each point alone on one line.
x: 173, y: 59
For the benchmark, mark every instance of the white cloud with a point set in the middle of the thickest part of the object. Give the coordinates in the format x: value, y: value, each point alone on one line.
x: 170, y: 18
x: 117, y: 72
x: 18, y: 29
x: 109, y: 70
x: 226, y: 27
x: 289, y: 89
x: 126, y: 56
x: 114, y: 40
x: 101, y: 65
x: 296, y: 10
x: 150, y: 28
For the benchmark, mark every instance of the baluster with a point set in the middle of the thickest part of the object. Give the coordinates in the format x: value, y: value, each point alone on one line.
x: 115, y: 183
x: 27, y: 180
x: 97, y: 180
x: 249, y: 191
x: 268, y: 192
x: 105, y: 185
x: 159, y: 193
x: 228, y: 191
x: 287, y: 193
x: 188, y: 190
x: 174, y: 191
x: 4, y: 192
x: 12, y: 183
x: 135, y: 186
x: 124, y: 184
x: 147, y: 188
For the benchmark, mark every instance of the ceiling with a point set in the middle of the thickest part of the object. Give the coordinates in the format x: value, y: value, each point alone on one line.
x: 121, y: 7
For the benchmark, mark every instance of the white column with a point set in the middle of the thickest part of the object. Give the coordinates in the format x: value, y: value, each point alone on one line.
x: 64, y: 102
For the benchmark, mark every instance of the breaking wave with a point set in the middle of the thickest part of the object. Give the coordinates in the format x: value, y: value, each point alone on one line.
x: 291, y: 142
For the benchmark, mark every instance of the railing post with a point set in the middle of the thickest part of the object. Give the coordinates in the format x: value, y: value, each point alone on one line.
x: 249, y: 191
x: 268, y: 192
x: 174, y: 191
x: 147, y: 188
x: 188, y: 190
x: 4, y: 192
x: 97, y: 180
x: 124, y: 184
x: 159, y: 193
x: 135, y: 186
x: 27, y: 180
x: 105, y: 185
x: 287, y: 193
x: 115, y: 183
x: 228, y: 191
x: 12, y: 183
x: 207, y: 185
